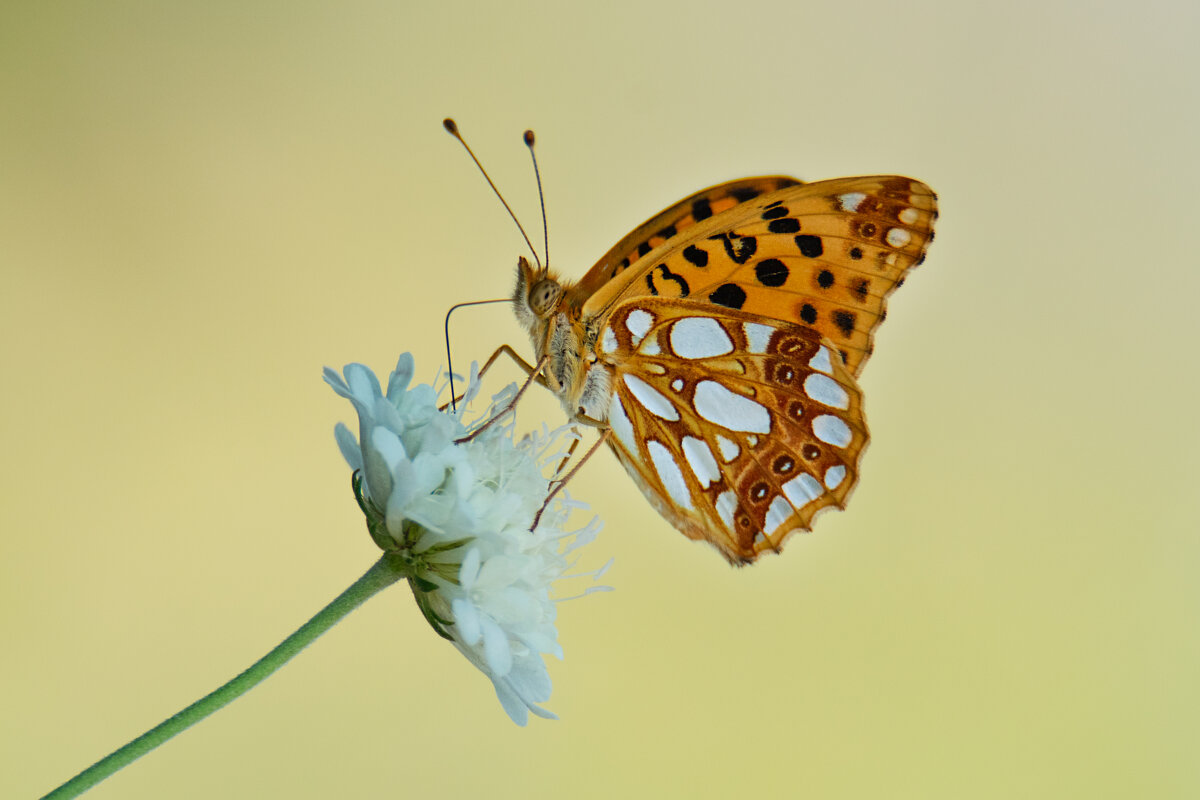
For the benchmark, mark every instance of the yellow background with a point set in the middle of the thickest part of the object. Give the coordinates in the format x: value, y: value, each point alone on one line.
x: 203, y: 204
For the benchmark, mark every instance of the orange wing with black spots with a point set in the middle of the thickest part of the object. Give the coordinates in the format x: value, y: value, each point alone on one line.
x: 825, y: 255
x: 671, y: 222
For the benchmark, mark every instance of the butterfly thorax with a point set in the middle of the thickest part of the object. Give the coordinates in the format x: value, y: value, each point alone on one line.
x: 560, y: 334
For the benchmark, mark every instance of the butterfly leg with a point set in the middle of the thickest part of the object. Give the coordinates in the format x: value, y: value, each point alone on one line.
x: 570, y: 452
x: 534, y: 376
x: 525, y: 366
x: 559, y: 484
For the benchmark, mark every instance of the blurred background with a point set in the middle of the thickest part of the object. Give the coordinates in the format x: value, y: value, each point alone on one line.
x: 201, y: 205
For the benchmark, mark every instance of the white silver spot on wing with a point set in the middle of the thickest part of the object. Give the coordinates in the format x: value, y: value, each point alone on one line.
x: 677, y: 385
x: 608, y: 340
x: 909, y: 216
x: 701, y: 460
x: 777, y: 514
x: 669, y: 473
x: 898, y: 237
x: 831, y: 430
x: 729, y: 448
x: 622, y: 428
x: 651, y: 399
x: 726, y: 505
x: 834, y: 477
x: 825, y: 390
x: 638, y: 322
x: 730, y: 410
x: 699, y: 337
x: 802, y: 490
x: 758, y: 336
x: 821, y: 362
x: 850, y: 200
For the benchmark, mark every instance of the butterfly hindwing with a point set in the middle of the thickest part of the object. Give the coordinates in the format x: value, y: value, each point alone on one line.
x: 737, y: 427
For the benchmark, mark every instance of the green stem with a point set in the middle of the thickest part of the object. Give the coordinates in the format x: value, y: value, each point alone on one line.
x: 382, y: 574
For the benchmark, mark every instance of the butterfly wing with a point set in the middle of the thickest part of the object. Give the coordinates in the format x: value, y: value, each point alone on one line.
x: 738, y: 428
x: 671, y: 222
x: 824, y: 255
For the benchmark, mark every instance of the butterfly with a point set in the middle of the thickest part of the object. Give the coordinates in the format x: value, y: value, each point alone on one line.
x: 718, y: 345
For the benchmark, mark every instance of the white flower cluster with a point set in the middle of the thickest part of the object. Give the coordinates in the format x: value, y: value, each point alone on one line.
x: 459, y: 514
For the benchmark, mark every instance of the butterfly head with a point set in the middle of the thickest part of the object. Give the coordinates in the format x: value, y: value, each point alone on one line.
x: 536, y: 294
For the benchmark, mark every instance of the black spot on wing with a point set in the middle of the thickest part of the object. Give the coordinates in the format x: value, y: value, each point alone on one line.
x: 701, y: 209
x: 730, y: 295
x: 785, y: 225
x: 775, y: 212
x: 745, y: 193
x: 661, y: 274
x: 695, y: 256
x: 771, y: 272
x: 810, y: 246
x: 738, y: 248
x: 845, y: 322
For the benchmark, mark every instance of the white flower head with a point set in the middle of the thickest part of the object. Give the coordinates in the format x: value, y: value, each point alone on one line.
x: 456, y: 514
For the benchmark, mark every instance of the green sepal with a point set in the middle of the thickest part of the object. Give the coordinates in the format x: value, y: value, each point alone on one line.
x: 446, y: 547
x: 431, y: 616
x: 376, y: 522
x: 423, y: 584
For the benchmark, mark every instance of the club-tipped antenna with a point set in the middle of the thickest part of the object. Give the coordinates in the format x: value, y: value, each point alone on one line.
x: 446, y: 328
x: 529, y: 140
x: 452, y: 128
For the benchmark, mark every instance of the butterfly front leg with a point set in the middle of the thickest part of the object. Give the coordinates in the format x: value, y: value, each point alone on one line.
x: 534, y: 376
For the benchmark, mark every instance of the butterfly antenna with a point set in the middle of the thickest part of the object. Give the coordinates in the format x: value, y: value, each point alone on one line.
x: 446, y: 328
x: 452, y: 128
x: 529, y: 140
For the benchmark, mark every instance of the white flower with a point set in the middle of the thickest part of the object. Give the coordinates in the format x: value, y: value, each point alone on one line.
x: 457, y: 515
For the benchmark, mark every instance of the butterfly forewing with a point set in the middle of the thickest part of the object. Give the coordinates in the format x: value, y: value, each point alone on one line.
x: 738, y: 428
x: 824, y: 255
x: 672, y: 222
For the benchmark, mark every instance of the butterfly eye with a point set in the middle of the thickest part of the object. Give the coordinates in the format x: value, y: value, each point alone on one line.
x: 543, y: 297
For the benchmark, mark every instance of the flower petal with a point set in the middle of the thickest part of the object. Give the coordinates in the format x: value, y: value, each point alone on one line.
x: 348, y: 445
x: 400, y: 377
x: 496, y: 651
x: 466, y: 621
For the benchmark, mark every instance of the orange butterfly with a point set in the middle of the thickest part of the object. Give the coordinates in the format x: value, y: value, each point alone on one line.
x: 718, y: 343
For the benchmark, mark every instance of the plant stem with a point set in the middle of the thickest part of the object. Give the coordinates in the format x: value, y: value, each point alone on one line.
x: 386, y: 571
